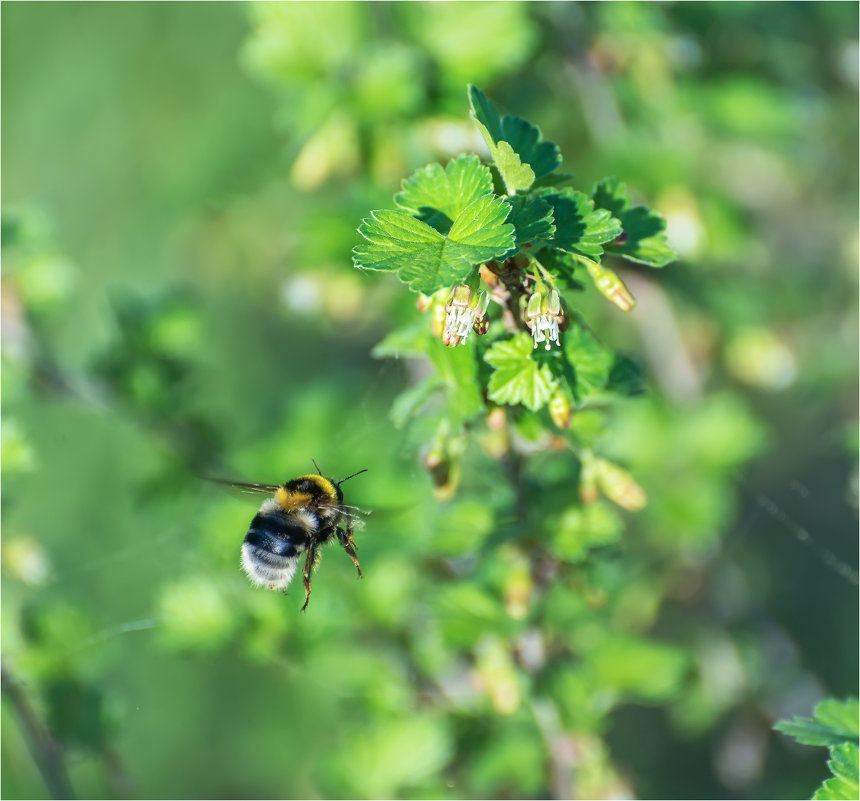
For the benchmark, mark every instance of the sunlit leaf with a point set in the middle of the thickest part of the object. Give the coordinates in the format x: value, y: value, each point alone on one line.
x: 437, y: 195
x: 513, y: 136
x: 427, y: 260
x: 516, y: 174
x: 832, y: 722
x: 516, y: 377
x: 844, y: 763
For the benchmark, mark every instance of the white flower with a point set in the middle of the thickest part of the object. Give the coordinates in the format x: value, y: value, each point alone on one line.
x: 464, y: 311
x: 543, y: 315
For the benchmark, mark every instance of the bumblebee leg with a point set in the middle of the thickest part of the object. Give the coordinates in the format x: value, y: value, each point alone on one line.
x: 349, y: 538
x: 310, y: 560
x: 345, y: 540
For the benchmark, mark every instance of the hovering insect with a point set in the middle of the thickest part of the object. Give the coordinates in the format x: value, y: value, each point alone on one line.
x: 303, y: 515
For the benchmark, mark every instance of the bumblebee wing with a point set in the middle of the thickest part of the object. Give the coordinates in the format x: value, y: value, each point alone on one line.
x: 355, y: 510
x: 245, y: 486
x: 355, y: 515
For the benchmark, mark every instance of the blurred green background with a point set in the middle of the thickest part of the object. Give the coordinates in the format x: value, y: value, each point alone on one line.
x: 181, y: 187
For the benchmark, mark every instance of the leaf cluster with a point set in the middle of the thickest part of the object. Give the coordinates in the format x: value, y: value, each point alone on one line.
x: 451, y: 219
x: 833, y: 724
x: 517, y: 230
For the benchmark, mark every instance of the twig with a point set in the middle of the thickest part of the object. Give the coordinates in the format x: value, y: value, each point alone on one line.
x: 46, y: 753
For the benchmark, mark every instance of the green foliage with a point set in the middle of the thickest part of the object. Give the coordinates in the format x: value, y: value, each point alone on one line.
x: 844, y: 764
x: 517, y: 146
x: 591, y: 362
x: 532, y: 218
x: 517, y: 377
x: 426, y: 259
x: 643, y: 230
x: 451, y: 223
x: 434, y: 191
x: 579, y: 227
x: 832, y: 722
x: 525, y: 627
x: 835, y: 724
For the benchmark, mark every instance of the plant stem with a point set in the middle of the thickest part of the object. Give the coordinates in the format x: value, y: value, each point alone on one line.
x: 46, y: 753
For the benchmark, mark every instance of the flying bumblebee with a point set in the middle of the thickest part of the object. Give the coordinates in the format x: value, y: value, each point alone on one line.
x: 303, y: 515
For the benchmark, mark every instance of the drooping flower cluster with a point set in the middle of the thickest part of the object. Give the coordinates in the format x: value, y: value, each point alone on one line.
x: 543, y: 315
x: 465, y: 311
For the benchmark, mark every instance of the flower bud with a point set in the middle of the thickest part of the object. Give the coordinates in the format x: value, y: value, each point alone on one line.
x: 424, y: 302
x: 611, y: 286
x: 518, y: 588
x: 619, y: 486
x: 443, y: 463
x: 561, y: 409
x: 497, y: 418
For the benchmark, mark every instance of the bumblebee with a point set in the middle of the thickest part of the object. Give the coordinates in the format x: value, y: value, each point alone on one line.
x: 303, y: 515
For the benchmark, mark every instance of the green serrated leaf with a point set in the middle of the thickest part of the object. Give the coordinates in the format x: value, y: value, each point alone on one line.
x: 579, y: 227
x: 516, y: 175
x: 645, y: 229
x: 843, y: 716
x: 424, y: 258
x: 513, y: 136
x: 517, y: 378
x: 844, y: 763
x: 526, y: 139
x: 611, y: 194
x: 436, y: 195
x: 531, y: 218
x: 836, y: 790
x: 833, y: 722
x: 484, y: 113
x: 592, y: 363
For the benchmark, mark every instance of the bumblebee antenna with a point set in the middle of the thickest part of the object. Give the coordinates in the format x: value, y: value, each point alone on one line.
x: 316, y: 466
x: 352, y: 476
